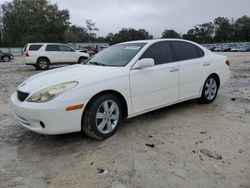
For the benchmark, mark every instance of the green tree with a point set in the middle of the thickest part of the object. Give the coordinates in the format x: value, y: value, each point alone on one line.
x: 91, y: 26
x: 242, y: 29
x: 202, y: 33
x: 129, y: 34
x: 74, y: 34
x: 223, y: 30
x: 190, y: 35
x: 170, y: 34
x: 33, y: 21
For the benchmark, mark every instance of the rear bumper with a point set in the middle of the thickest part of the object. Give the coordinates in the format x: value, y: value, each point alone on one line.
x: 29, y: 60
x: 224, y: 78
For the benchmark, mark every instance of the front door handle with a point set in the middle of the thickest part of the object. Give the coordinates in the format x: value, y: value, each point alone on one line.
x: 174, y: 69
x: 206, y: 64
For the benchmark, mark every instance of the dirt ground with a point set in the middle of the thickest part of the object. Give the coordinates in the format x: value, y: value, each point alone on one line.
x: 194, y: 145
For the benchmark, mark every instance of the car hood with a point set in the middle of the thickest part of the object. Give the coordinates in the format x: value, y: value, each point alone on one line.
x: 7, y: 54
x: 84, y: 74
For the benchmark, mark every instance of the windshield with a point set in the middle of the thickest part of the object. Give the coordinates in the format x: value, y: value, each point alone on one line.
x: 118, y: 55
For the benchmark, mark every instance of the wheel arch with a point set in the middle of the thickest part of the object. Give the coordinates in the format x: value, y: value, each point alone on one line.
x: 4, y: 57
x: 122, y: 99
x: 216, y: 76
x: 84, y: 57
x: 43, y: 57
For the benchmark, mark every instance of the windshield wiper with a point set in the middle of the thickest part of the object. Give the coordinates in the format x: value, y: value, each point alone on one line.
x: 96, y: 63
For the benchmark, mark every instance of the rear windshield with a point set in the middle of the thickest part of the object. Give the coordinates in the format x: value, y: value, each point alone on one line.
x: 35, y: 47
x: 25, y: 47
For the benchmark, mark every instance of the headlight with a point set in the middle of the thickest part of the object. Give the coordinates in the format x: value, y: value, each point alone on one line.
x: 51, y: 92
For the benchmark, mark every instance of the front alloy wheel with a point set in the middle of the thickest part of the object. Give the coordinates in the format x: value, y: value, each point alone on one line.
x: 102, y: 117
x: 81, y: 60
x: 107, y: 116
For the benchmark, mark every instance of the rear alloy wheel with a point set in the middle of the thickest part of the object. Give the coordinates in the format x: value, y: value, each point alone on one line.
x: 42, y: 64
x: 103, y: 117
x: 210, y: 90
x: 6, y: 59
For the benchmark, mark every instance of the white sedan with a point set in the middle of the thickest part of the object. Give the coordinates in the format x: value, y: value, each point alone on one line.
x: 123, y: 81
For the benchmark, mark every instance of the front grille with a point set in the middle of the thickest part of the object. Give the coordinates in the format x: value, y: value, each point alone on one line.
x: 22, y: 96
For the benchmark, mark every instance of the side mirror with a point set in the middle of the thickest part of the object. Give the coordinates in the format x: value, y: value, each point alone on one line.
x: 143, y: 63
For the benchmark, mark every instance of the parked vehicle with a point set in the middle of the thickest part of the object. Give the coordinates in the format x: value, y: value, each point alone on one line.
x: 91, y: 53
x: 123, y: 81
x: 5, y: 57
x: 226, y: 48
x: 218, y: 49
x: 236, y: 49
x: 244, y: 49
x: 42, y: 55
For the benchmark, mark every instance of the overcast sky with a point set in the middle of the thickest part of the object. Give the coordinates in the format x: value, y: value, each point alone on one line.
x: 152, y: 15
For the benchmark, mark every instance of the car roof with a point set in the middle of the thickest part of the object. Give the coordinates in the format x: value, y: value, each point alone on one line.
x: 156, y: 40
x: 40, y: 43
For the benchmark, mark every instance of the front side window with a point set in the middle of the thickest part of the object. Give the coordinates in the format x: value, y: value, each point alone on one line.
x: 65, y: 48
x: 186, y: 51
x: 118, y: 55
x: 161, y: 52
x: 52, y: 48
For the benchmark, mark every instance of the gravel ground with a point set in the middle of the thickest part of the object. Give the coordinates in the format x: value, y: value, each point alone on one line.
x: 188, y: 145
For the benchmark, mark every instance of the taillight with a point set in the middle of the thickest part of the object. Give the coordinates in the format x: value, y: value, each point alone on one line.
x: 227, y: 62
x: 26, y: 54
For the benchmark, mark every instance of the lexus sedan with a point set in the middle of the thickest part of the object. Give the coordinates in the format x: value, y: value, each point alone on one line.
x: 123, y: 81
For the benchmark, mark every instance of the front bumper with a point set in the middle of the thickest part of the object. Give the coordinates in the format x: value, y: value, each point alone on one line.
x: 47, y: 118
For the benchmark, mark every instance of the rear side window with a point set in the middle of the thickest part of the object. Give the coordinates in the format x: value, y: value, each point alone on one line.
x: 161, y: 52
x: 35, y: 47
x: 51, y: 47
x: 186, y: 51
x: 200, y: 52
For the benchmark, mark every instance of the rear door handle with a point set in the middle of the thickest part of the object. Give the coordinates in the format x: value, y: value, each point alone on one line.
x: 174, y: 69
x: 206, y: 64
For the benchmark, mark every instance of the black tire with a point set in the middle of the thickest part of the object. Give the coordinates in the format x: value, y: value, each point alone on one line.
x: 90, y: 121
x: 42, y: 64
x: 6, y: 59
x: 209, y: 94
x: 35, y: 67
x: 82, y: 60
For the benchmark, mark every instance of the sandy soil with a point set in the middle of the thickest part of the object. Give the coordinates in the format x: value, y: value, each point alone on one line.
x: 184, y: 136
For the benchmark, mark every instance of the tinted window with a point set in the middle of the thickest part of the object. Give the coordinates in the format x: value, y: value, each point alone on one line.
x: 200, y: 52
x: 52, y: 48
x: 185, y: 51
x: 35, y: 47
x: 161, y: 52
x: 65, y: 48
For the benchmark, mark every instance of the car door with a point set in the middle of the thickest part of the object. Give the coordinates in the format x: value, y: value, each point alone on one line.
x: 158, y: 85
x: 193, y: 68
x: 68, y: 54
x: 53, y: 53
